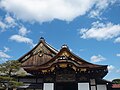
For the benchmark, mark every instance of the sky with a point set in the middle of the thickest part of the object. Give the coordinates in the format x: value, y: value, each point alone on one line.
x: 90, y: 28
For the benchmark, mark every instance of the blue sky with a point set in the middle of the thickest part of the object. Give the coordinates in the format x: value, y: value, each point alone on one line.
x: 91, y: 29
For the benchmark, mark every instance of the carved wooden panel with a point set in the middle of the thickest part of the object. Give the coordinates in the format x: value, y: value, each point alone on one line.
x: 82, y: 78
x: 65, y: 77
x: 49, y: 79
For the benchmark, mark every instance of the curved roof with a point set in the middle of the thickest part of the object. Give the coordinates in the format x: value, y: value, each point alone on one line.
x: 39, y: 55
x: 44, y: 57
x: 66, y: 54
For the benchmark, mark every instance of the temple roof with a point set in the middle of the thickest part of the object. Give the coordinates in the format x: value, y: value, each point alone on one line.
x: 45, y: 57
x: 39, y: 55
x: 66, y: 56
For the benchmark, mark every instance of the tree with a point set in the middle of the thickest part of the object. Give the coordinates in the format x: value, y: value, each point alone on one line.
x: 8, y: 72
x: 116, y: 81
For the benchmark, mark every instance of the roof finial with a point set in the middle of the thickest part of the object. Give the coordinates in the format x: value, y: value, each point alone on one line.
x: 64, y: 46
x: 42, y: 39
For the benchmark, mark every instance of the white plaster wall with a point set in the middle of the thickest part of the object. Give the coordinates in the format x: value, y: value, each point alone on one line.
x: 93, y: 88
x: 92, y: 81
x: 48, y: 86
x: 83, y: 86
x: 101, y: 87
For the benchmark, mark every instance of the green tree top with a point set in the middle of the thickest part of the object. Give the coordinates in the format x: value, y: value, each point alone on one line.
x: 10, y: 67
x: 7, y: 72
x: 116, y: 81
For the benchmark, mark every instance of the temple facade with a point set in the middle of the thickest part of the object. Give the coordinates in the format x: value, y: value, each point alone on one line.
x: 50, y: 69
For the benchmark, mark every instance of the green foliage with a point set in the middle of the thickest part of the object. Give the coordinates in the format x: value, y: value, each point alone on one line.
x: 14, y: 84
x: 10, y: 67
x: 116, y: 81
x: 7, y: 72
x: 21, y: 72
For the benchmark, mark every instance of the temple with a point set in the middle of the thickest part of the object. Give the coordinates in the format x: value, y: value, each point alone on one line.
x: 50, y: 69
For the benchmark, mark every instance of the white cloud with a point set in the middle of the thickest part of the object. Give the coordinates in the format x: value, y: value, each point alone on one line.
x: 6, y: 49
x: 2, y: 26
x: 21, y: 39
x: 100, y: 6
x: 7, y: 22
x: 97, y: 58
x: 118, y: 54
x: 110, y: 68
x: 101, y: 31
x: 48, y: 10
x: 21, y: 36
x: 117, y: 40
x: 23, y: 31
x: 9, y: 19
x: 4, y: 55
